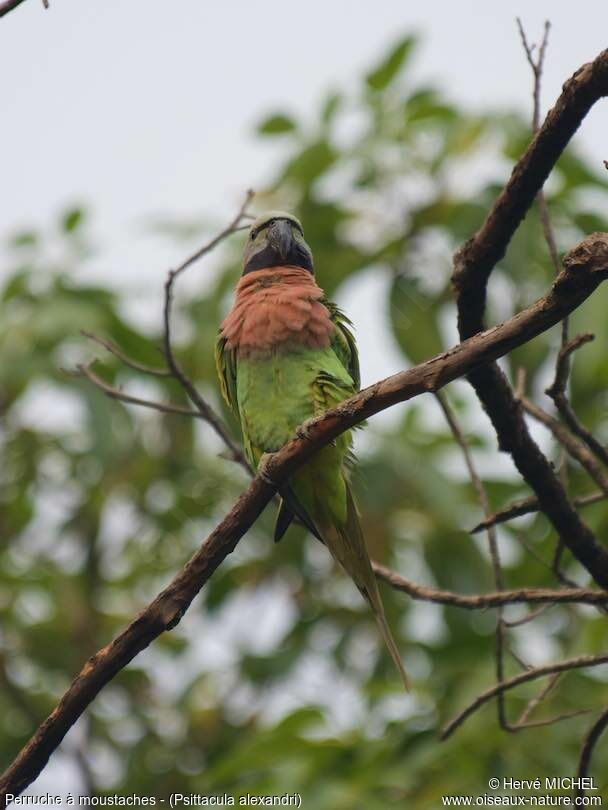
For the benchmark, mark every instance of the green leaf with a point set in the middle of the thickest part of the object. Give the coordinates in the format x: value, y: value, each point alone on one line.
x: 277, y: 124
x: 311, y: 162
x: 390, y: 67
x: 24, y: 239
x: 426, y: 104
x: 330, y: 107
x: 72, y: 219
x: 414, y: 320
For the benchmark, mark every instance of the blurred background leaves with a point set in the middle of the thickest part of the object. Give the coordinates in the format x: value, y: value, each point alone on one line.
x: 276, y: 681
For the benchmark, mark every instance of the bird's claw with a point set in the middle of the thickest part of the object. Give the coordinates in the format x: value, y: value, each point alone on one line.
x: 303, y: 431
x: 264, y: 468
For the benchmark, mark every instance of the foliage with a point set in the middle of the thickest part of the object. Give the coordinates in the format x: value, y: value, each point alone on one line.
x: 276, y: 681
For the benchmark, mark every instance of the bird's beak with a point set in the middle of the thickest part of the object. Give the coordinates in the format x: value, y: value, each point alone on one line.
x: 280, y: 237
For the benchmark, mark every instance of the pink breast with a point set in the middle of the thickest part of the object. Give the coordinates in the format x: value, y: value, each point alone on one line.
x: 277, y: 307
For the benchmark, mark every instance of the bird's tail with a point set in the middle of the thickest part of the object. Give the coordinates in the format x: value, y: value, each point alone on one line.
x: 347, y: 545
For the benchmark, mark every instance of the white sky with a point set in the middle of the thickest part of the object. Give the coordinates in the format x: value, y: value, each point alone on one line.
x: 147, y: 107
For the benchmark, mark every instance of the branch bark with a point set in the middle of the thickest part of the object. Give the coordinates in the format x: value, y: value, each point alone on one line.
x: 9, y: 5
x: 483, y: 601
x: 473, y: 264
x: 574, y: 284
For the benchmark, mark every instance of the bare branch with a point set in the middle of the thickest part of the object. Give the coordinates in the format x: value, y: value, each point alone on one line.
x: 530, y: 617
x: 581, y: 662
x: 204, y: 409
x: 116, y: 393
x: 484, y: 601
x: 9, y: 5
x: 557, y: 392
x: 492, y: 545
x: 165, y: 611
x: 538, y: 699
x: 128, y: 361
x: 591, y: 740
x: 575, y: 448
x: 527, y: 506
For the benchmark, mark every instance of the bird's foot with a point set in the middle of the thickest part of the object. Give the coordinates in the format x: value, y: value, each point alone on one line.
x: 264, y: 468
x: 303, y: 431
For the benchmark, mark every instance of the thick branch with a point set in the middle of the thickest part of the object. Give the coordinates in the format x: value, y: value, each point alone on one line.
x: 570, y: 289
x: 472, y: 267
x: 479, y: 255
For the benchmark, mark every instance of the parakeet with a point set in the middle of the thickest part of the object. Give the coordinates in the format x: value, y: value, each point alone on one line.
x: 284, y: 355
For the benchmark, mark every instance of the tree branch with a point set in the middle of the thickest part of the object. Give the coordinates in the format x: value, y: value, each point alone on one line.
x: 203, y: 409
x: 557, y: 392
x: 574, y: 284
x: 591, y: 740
x: 490, y: 600
x: 116, y: 393
x: 207, y: 413
x: 9, y: 5
x: 530, y: 675
x: 492, y: 546
x: 527, y: 506
x: 473, y: 264
x: 573, y: 446
x: 152, y: 371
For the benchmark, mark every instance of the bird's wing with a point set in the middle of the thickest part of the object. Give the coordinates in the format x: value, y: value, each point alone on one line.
x: 225, y: 363
x: 344, y: 344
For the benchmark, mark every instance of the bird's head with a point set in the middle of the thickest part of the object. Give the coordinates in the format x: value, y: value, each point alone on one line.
x: 276, y: 239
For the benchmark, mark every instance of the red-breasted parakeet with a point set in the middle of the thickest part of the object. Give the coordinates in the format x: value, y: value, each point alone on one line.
x: 284, y: 355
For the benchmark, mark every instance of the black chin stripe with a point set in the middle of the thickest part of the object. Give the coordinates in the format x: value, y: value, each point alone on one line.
x: 269, y: 257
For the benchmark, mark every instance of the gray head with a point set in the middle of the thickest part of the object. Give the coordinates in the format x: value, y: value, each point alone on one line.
x: 276, y: 239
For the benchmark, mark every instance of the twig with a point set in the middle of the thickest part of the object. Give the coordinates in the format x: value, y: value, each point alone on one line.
x: 527, y: 506
x: 115, y: 393
x: 537, y: 700
x: 128, y: 361
x: 9, y: 5
x: 575, y: 448
x: 529, y: 617
x: 492, y: 544
x: 205, y: 410
x: 581, y: 662
x: 591, y: 740
x: 490, y: 600
x: 166, y: 610
x: 557, y: 392
x: 537, y: 66
x: 233, y: 226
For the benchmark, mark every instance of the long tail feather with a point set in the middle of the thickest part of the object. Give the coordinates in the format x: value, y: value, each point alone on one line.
x: 347, y: 545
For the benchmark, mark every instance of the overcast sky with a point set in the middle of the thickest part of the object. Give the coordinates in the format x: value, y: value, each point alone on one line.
x: 147, y: 106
